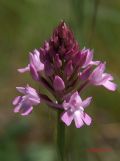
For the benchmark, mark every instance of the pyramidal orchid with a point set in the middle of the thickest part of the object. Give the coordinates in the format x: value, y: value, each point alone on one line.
x: 64, y: 69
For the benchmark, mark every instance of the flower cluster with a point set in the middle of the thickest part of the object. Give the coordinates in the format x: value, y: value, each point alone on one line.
x: 64, y: 70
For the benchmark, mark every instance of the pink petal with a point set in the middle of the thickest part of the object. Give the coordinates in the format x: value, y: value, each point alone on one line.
x: 66, y: 118
x: 16, y: 100
x: 34, y: 72
x: 31, y: 91
x: 96, y: 75
x: 23, y: 70
x: 105, y: 77
x: 27, y: 112
x: 21, y: 90
x: 95, y: 62
x: 31, y: 58
x: 87, y: 119
x: 75, y: 99
x: 39, y: 64
x: 17, y: 108
x: 86, y: 102
x: 35, y: 60
x: 85, y: 73
x: 34, y: 101
x: 66, y: 105
x: 78, y: 120
x: 110, y: 85
x: 88, y: 58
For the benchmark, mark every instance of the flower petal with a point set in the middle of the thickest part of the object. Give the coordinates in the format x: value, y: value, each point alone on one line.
x: 86, y: 102
x: 66, y: 118
x: 17, y: 108
x: 66, y: 105
x: 95, y: 62
x: 87, y: 119
x: 88, y: 58
x: 110, y: 85
x: 75, y: 99
x: 16, y: 100
x: 78, y: 119
x: 34, y: 101
x: 96, y: 75
x: 105, y: 77
x: 35, y: 60
x: 34, y: 72
x: 21, y: 90
x: 25, y: 69
x: 29, y: 110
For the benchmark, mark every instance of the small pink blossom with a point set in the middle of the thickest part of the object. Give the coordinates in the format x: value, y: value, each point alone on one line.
x: 89, y: 58
x: 24, y: 104
x: 34, y: 66
x: 74, y: 110
x: 98, y: 77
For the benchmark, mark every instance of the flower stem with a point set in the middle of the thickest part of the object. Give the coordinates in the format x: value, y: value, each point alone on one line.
x: 60, y: 138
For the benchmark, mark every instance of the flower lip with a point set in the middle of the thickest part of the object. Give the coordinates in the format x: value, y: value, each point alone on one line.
x: 74, y: 110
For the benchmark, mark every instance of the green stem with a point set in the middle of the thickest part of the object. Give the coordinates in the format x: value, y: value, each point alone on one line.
x: 60, y: 138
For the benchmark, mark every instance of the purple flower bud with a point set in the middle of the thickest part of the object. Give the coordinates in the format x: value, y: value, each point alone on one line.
x: 69, y: 68
x: 58, y: 62
x: 58, y: 83
x: 77, y: 59
x: 48, y: 68
x: 42, y: 55
x: 46, y: 46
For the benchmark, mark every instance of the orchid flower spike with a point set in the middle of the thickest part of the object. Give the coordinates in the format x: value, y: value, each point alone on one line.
x: 65, y: 70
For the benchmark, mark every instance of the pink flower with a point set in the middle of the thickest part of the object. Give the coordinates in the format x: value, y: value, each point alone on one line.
x: 98, y: 77
x: 34, y: 66
x: 89, y: 58
x: 74, y: 109
x: 24, y: 104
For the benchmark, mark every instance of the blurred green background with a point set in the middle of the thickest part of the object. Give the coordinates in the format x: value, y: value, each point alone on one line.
x: 24, y: 25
